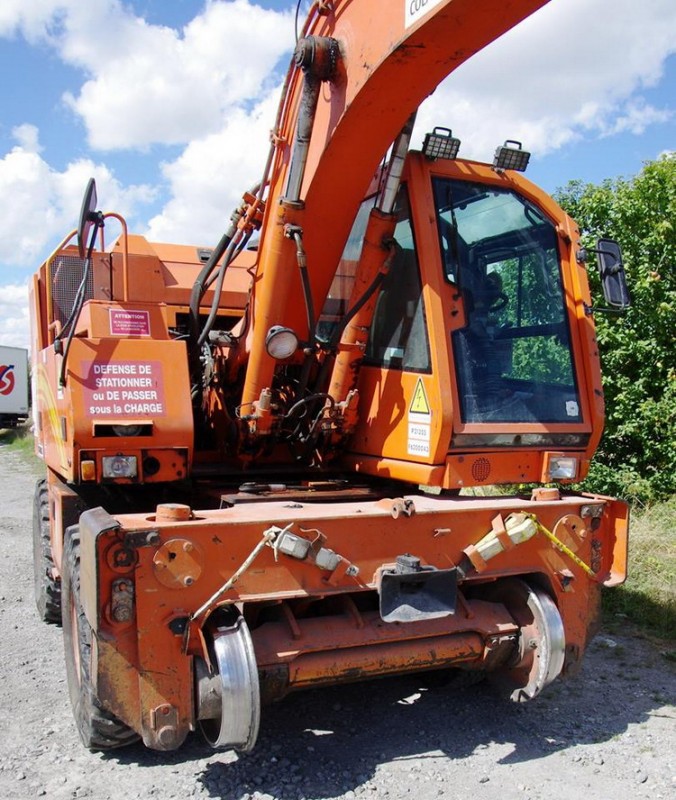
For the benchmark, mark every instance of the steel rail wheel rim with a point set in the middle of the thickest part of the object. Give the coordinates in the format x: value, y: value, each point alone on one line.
x: 235, y: 662
x: 542, y: 643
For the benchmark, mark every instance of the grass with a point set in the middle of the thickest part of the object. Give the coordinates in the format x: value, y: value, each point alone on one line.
x: 20, y: 440
x: 648, y: 598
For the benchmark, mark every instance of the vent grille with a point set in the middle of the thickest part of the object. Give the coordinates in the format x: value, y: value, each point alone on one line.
x: 481, y: 469
x: 66, y: 276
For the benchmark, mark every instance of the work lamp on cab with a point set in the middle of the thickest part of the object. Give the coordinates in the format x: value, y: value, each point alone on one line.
x: 281, y: 342
x: 511, y: 155
x: 440, y: 144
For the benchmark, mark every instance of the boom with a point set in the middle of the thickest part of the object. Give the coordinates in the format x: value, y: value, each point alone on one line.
x: 384, y: 59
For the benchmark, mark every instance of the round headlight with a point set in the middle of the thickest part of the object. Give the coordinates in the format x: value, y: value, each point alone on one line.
x: 281, y: 342
x: 127, y: 430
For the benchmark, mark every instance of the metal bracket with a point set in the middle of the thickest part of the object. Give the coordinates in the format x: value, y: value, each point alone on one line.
x: 412, y: 593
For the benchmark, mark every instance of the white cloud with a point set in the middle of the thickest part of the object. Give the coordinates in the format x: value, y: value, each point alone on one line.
x: 207, y: 181
x: 636, y: 117
x: 171, y: 88
x: 150, y: 84
x: 14, y: 315
x: 27, y: 138
x: 14, y: 327
x: 572, y: 69
x: 39, y: 205
x: 30, y: 18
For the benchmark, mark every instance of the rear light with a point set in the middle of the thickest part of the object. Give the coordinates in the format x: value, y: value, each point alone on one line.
x: 87, y: 470
x: 119, y: 466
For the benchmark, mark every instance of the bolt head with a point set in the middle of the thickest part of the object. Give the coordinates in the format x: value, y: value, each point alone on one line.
x: 122, y: 613
x: 166, y: 735
x: 407, y: 563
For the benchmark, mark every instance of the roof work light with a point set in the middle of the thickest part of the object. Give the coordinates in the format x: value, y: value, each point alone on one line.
x: 441, y: 144
x: 514, y: 157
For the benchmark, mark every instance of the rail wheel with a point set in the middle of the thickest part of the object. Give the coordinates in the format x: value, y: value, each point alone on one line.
x: 541, y: 646
x: 229, y: 698
x: 98, y: 729
x: 47, y: 587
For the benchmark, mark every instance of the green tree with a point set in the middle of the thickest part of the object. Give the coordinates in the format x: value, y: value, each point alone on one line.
x: 637, y: 456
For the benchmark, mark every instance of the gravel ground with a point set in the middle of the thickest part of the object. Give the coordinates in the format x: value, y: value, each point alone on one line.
x: 609, y: 732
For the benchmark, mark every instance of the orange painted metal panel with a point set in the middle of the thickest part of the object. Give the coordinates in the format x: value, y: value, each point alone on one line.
x: 113, y: 382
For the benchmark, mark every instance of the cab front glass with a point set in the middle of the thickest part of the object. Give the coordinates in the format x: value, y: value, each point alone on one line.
x: 513, y: 357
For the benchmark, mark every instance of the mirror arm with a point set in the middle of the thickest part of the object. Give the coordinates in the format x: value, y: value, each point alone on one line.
x: 582, y: 255
x: 591, y: 310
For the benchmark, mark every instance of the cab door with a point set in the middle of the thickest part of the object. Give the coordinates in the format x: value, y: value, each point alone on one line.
x: 406, y: 409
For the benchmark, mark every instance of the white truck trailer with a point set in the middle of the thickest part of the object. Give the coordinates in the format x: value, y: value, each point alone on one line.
x: 13, y: 386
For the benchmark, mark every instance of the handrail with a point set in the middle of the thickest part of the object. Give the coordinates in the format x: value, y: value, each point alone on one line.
x: 125, y: 252
x: 52, y: 327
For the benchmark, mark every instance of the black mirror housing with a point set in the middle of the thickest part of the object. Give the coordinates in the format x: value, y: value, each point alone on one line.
x: 613, y: 276
x: 87, y: 217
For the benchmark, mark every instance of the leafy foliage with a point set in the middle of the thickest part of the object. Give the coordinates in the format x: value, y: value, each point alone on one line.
x: 637, y: 456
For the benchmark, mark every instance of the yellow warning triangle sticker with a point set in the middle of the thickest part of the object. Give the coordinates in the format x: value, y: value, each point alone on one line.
x: 419, y: 404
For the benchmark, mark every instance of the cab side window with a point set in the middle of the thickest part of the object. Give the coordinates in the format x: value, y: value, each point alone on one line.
x: 398, y: 337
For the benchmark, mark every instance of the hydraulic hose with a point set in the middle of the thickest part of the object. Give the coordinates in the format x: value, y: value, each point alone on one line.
x: 349, y: 316
x: 199, y: 287
x: 228, y: 256
x: 318, y: 57
x: 78, y: 302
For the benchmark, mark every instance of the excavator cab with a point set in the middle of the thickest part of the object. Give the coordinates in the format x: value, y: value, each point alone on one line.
x: 475, y: 354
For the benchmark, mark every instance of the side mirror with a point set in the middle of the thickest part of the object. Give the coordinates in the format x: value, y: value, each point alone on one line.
x: 88, y: 217
x: 613, y: 277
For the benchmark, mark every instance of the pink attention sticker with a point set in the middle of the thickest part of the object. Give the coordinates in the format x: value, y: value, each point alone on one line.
x: 129, y: 323
x: 124, y: 389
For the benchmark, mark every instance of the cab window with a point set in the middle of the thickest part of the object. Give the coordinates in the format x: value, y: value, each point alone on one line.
x: 513, y: 359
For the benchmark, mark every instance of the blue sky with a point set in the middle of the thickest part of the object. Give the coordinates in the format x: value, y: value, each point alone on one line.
x: 152, y: 98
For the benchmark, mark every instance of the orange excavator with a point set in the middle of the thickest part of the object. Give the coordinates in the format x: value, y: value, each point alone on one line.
x: 264, y: 460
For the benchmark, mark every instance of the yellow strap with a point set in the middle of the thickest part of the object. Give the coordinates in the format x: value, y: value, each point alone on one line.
x: 562, y: 547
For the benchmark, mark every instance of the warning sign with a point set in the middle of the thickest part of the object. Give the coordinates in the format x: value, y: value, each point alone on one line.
x: 124, y: 389
x: 129, y: 323
x: 419, y: 423
x: 419, y: 404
